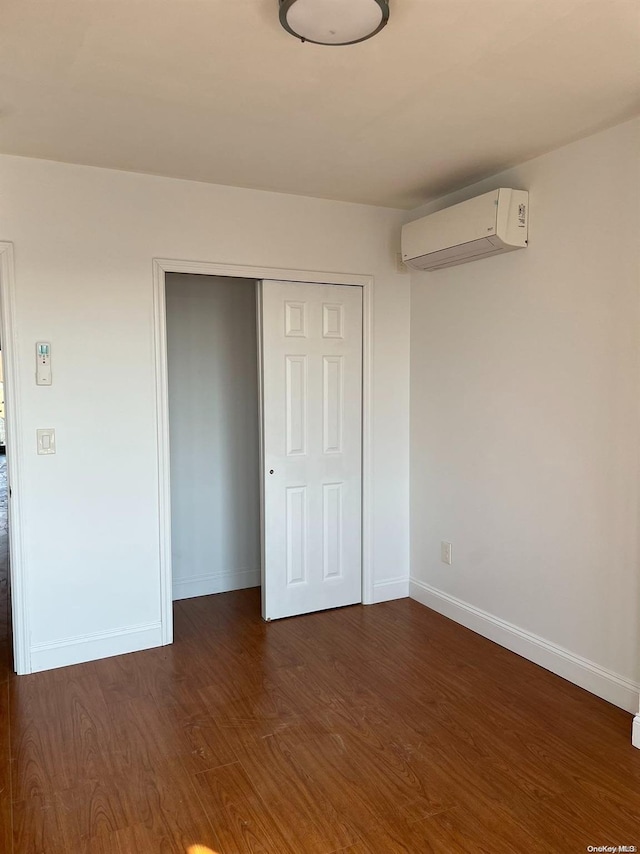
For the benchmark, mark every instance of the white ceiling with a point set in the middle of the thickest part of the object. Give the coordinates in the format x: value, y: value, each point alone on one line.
x: 215, y: 90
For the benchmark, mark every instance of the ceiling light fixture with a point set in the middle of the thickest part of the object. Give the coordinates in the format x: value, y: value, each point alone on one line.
x: 333, y: 21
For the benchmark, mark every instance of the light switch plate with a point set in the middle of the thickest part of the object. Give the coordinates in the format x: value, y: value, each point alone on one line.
x: 46, y: 441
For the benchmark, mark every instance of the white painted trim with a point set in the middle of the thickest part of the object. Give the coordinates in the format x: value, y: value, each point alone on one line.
x: 635, y: 731
x: 260, y: 367
x: 392, y: 588
x: 161, y: 266
x: 218, y: 582
x: 587, y: 674
x: 368, y: 574
x: 18, y: 564
x: 164, y: 469
x: 90, y: 647
x: 281, y: 274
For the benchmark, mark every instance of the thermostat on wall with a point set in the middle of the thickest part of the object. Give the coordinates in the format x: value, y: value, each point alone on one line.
x: 43, y: 363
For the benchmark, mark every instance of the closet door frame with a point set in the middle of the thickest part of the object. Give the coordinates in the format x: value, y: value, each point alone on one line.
x: 162, y: 266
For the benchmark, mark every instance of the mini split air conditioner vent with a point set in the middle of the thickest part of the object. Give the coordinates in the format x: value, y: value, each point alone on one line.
x: 490, y: 224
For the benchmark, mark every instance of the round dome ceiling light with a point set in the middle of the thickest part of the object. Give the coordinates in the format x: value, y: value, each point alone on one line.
x: 333, y: 21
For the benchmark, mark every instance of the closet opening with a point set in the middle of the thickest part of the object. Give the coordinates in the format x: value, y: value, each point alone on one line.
x: 213, y: 408
x: 263, y: 390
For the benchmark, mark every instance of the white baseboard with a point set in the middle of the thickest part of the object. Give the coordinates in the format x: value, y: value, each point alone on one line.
x: 76, y: 650
x: 587, y: 674
x: 635, y: 732
x: 393, y: 588
x: 219, y: 582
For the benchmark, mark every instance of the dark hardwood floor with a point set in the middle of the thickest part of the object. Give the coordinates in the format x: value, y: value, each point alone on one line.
x: 362, y: 731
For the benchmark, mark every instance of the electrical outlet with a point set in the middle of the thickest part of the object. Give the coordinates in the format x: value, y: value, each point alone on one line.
x: 445, y: 552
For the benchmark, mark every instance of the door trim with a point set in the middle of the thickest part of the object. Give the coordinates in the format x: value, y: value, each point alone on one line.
x: 162, y: 266
x: 18, y: 567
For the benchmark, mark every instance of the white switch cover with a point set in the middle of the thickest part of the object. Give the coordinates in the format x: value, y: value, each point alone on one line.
x: 43, y: 363
x: 46, y: 441
x: 445, y: 552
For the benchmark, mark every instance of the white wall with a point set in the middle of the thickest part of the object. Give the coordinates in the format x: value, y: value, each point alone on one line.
x: 84, y: 242
x: 213, y: 418
x: 524, y: 422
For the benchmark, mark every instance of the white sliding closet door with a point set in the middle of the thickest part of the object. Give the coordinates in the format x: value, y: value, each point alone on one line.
x: 311, y: 362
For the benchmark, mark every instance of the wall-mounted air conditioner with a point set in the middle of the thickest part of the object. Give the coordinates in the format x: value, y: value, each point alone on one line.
x: 490, y: 224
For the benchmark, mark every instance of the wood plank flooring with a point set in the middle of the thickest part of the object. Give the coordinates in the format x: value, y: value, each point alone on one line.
x: 362, y: 731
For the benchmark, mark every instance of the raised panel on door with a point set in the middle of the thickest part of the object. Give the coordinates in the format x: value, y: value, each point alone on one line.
x: 296, y: 534
x: 332, y: 404
x: 311, y: 363
x: 332, y: 522
x: 295, y: 404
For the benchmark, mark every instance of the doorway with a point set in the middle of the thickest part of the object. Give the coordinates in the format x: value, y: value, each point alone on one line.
x: 213, y: 434
x: 161, y: 270
x: 16, y: 570
x: 5, y: 602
